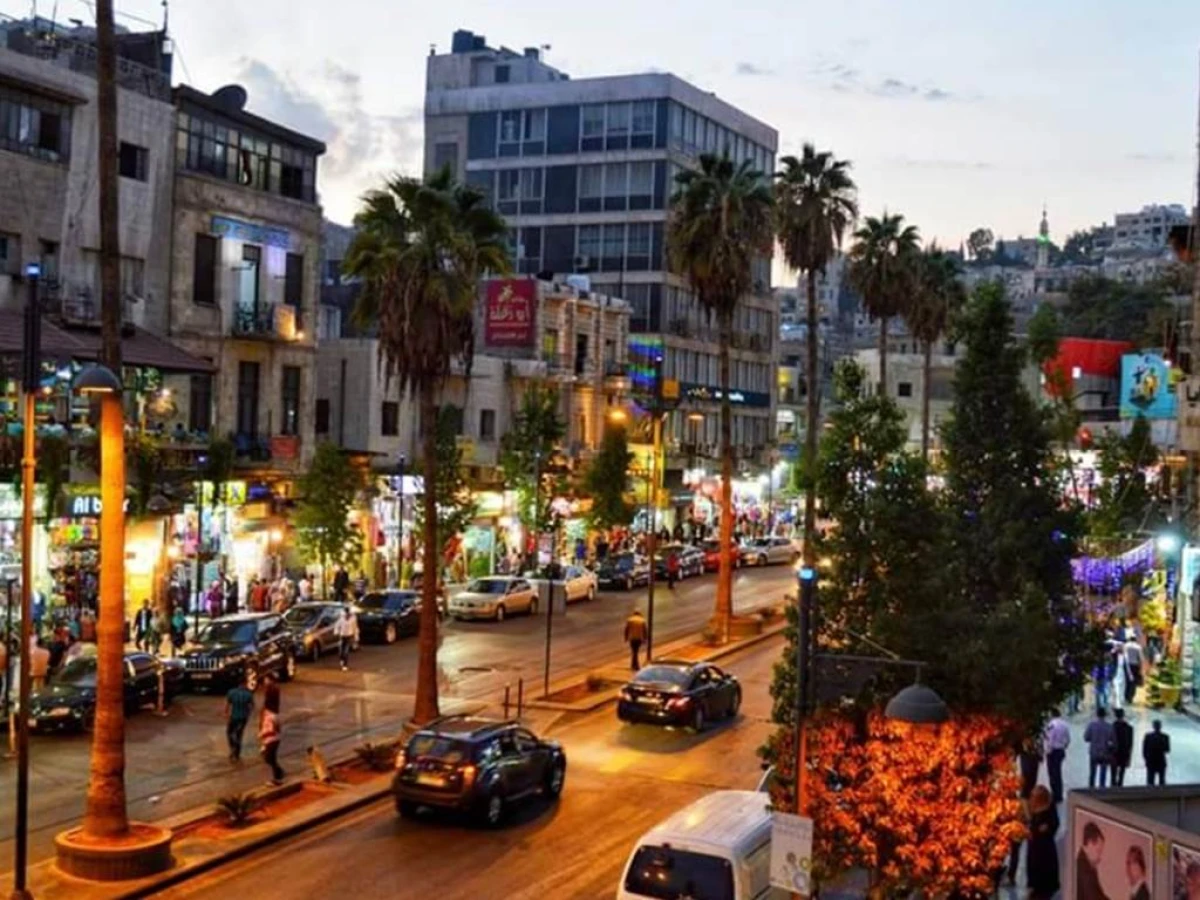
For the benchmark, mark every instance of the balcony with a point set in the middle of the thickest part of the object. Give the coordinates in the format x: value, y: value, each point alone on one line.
x: 80, y: 307
x: 267, y: 321
x: 258, y: 449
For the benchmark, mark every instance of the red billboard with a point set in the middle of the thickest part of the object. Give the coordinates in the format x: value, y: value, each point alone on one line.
x: 511, y: 313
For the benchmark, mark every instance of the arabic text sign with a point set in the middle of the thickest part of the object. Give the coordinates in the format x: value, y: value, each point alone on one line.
x: 1146, y: 387
x: 509, y: 316
x: 791, y: 853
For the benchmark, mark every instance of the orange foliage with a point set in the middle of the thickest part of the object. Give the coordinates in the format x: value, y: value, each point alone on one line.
x: 919, y: 808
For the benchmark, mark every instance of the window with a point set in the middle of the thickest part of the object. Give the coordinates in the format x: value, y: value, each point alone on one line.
x: 509, y: 187
x: 132, y: 161
x: 592, y: 123
x: 641, y: 179
x: 445, y: 154
x: 48, y: 258
x: 212, y: 147
x: 503, y: 73
x: 293, y: 283
x: 639, y: 238
x: 676, y: 125
x: 531, y: 184
x: 10, y: 254
x: 200, y: 404
x: 487, y: 424
x: 614, y: 242
x: 615, y: 179
x: 589, y: 243
x: 247, y: 399
x: 904, y: 389
x: 290, y: 400
x: 618, y: 119
x: 591, y: 182
x: 510, y: 126
x: 390, y: 419
x: 248, y: 280
x: 322, y: 423
x: 550, y: 345
x: 643, y: 117
x: 132, y: 270
x: 535, y: 125
x: 204, y: 270
x: 291, y: 182
x: 33, y: 125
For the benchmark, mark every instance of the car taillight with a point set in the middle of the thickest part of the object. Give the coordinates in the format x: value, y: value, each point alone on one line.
x: 401, y: 760
x: 468, y: 775
x: 678, y: 703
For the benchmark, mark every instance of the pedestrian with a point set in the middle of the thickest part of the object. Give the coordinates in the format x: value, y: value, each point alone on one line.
x: 87, y: 626
x: 215, y: 601
x: 1041, y: 859
x: 1132, y: 658
x: 231, y: 590
x: 178, y: 630
x: 1056, y: 741
x: 158, y: 627
x: 1100, y: 683
x: 143, y: 621
x: 1099, y: 737
x: 306, y: 588
x: 1122, y: 747
x: 672, y: 569
x: 269, y: 734
x: 1155, y: 747
x: 341, y: 583
x: 239, y: 703
x: 271, y: 695
x: 1029, y: 759
x: 39, y: 663
x: 635, y: 634
x: 345, y: 629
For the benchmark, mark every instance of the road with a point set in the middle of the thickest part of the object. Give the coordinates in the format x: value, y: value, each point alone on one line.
x: 621, y: 780
x: 179, y: 761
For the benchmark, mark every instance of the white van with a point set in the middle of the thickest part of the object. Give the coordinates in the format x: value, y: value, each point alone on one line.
x: 719, y: 848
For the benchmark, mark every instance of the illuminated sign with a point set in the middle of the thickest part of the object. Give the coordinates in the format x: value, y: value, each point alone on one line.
x: 510, y: 313
x: 223, y: 226
x: 1146, y: 387
x: 737, y: 398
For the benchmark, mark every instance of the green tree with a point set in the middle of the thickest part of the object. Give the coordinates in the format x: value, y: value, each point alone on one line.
x: 144, y: 461
x: 456, y: 507
x: 1123, y: 499
x: 1104, y: 308
x: 527, y: 456
x: 719, y: 226
x: 882, y: 269
x: 939, y: 295
x: 606, y: 481
x: 1043, y: 335
x: 814, y: 205
x: 1080, y: 246
x: 53, y: 469
x: 419, y: 252
x: 328, y: 492
x: 979, y: 244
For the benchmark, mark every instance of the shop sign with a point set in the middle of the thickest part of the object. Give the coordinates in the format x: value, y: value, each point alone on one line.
x: 84, y: 505
x: 223, y: 226
x: 737, y: 398
x: 285, y: 446
x: 510, y: 313
x: 1146, y: 388
x: 10, y: 501
x: 234, y: 493
x: 489, y: 504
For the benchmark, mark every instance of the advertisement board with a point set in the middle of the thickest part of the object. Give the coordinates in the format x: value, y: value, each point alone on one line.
x: 510, y: 314
x: 1146, y: 387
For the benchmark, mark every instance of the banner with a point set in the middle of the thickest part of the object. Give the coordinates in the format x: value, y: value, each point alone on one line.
x: 1146, y: 387
x: 511, y: 313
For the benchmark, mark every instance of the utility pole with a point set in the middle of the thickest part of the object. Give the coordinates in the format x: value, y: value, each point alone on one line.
x: 656, y: 414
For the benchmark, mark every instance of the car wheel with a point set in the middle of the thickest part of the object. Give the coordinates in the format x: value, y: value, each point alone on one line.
x: 555, y: 779
x: 251, y: 675
x: 407, y: 809
x: 288, y: 672
x: 389, y: 633
x: 492, y: 812
x: 500, y: 612
x: 314, y: 651
x: 533, y: 606
x: 698, y: 719
x: 736, y: 705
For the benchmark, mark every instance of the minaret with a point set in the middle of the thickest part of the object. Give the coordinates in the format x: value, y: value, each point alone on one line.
x: 1043, y: 248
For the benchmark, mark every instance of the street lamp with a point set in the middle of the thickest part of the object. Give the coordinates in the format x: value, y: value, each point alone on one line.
x: 401, y: 465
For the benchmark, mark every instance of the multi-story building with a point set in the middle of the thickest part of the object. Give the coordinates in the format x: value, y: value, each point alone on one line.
x: 1149, y: 227
x: 583, y: 171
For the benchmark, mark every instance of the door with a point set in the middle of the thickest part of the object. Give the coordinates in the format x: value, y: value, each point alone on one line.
x: 520, y: 596
x: 706, y: 693
x: 270, y: 645
x: 324, y: 636
x: 724, y: 690
x: 247, y: 399
x: 511, y: 768
x: 533, y: 760
x: 405, y: 612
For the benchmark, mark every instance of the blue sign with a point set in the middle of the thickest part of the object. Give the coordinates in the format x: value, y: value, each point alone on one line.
x: 736, y: 397
x: 1146, y: 388
x: 265, y: 235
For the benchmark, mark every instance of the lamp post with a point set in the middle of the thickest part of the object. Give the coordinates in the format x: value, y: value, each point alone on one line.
x: 656, y: 413
x: 401, y: 466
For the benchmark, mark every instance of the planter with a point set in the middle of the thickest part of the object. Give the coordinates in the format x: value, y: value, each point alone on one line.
x: 1167, y: 695
x: 144, y: 851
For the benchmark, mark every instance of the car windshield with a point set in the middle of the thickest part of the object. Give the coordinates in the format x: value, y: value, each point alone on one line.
x: 488, y: 586
x: 623, y: 561
x: 758, y: 542
x: 663, y: 675
x: 672, y: 874
x: 301, y: 615
x: 218, y: 632
x: 80, y: 672
x: 437, y: 746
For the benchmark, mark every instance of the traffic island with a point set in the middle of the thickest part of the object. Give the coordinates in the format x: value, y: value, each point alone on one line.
x: 143, y: 851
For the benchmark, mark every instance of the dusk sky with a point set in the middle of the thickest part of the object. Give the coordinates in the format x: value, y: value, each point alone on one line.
x: 954, y: 114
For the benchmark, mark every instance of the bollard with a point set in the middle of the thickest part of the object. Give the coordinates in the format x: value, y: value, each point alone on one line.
x: 520, y: 696
x: 507, y: 688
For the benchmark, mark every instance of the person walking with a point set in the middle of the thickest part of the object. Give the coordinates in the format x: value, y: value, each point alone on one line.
x: 239, y: 703
x: 1041, y: 859
x: 142, y: 623
x: 215, y: 600
x: 635, y: 634
x: 269, y: 735
x: 345, y: 629
x: 178, y: 630
x: 1100, y: 740
x: 672, y: 569
x: 1122, y: 747
x: 1056, y: 741
x: 1132, y: 657
x: 1155, y: 747
x: 39, y: 663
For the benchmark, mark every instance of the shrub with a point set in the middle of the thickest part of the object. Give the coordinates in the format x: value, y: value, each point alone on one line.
x: 237, y: 808
x: 376, y: 757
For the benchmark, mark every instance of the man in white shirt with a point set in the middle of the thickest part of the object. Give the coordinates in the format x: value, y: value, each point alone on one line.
x: 306, y: 589
x: 1057, y: 740
x: 346, y: 631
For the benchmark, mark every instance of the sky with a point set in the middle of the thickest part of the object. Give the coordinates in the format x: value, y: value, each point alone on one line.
x: 956, y: 115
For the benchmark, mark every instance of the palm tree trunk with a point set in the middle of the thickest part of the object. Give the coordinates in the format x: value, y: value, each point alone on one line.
x: 883, y: 336
x: 105, y: 814
x: 928, y: 368
x: 813, y: 416
x: 426, y: 705
x: 724, y: 610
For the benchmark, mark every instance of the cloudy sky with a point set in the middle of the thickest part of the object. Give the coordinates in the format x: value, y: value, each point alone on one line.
x: 956, y: 114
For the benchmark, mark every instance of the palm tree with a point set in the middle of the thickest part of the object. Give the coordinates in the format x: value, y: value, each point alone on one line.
x: 720, y: 222
x: 814, y: 205
x: 420, y: 250
x: 881, y: 268
x: 938, y: 296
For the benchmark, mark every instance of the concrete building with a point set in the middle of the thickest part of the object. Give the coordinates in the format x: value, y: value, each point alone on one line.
x: 583, y: 171
x: 906, y: 377
x: 1149, y: 227
x: 246, y: 233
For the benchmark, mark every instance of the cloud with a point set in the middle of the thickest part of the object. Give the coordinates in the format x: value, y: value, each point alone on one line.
x: 958, y: 164
x: 838, y: 76
x: 1154, y: 158
x: 748, y: 68
x: 893, y: 87
x: 938, y: 94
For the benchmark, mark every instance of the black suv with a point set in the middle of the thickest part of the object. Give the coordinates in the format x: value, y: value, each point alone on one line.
x: 478, y: 766
x: 249, y: 645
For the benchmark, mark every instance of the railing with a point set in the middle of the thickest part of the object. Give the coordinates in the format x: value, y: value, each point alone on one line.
x: 266, y: 320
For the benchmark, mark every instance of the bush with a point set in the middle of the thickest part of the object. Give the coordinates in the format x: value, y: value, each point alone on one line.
x: 237, y: 808
x: 376, y: 757
x: 481, y: 567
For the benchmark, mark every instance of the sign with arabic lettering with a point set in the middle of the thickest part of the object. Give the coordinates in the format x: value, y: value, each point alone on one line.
x: 511, y: 312
x: 1146, y: 388
x: 248, y: 232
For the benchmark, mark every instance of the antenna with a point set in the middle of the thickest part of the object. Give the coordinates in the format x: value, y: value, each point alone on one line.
x: 166, y: 15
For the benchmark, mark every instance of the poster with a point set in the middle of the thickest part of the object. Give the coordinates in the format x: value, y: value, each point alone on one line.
x: 1185, y: 873
x: 510, y: 313
x: 1110, y: 860
x: 1146, y: 387
x: 791, y: 852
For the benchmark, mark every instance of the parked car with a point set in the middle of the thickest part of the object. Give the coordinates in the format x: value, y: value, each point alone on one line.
x: 494, y: 598
x: 679, y: 693
x: 581, y: 583
x: 477, y: 766
x: 624, y: 571
x: 311, y: 628
x: 691, y: 561
x: 712, y: 554
x: 768, y: 551
x: 245, y: 646
x: 68, y: 701
x: 384, y: 616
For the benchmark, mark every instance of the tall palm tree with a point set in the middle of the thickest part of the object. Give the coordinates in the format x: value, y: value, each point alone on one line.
x: 720, y: 222
x: 814, y: 205
x: 937, y: 297
x: 421, y: 248
x: 881, y: 269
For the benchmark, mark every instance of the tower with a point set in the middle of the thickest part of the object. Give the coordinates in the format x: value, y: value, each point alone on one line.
x: 1043, y: 245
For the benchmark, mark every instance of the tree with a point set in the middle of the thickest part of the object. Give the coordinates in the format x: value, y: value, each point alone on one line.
x: 979, y: 244
x: 419, y: 252
x: 1080, y: 246
x: 328, y: 491
x: 456, y: 504
x: 606, y: 481
x: 882, y: 269
x: 719, y: 225
x: 1108, y: 309
x: 144, y: 458
x: 53, y: 469
x: 1123, y: 498
x: 527, y: 453
x: 814, y: 205
x: 938, y: 295
x: 1043, y: 335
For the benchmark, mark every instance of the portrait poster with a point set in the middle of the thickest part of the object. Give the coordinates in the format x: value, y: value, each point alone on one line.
x: 1185, y: 873
x: 1109, y: 859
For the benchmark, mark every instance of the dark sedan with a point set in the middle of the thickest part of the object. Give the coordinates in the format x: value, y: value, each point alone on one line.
x: 681, y: 694
x: 691, y: 561
x: 312, y: 628
x: 385, y: 616
x: 68, y: 701
x: 624, y: 571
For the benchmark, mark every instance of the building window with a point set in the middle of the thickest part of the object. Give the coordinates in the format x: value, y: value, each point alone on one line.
x: 48, y: 259
x: 200, y: 404
x: 32, y: 125
x: 531, y: 184
x: 639, y: 239
x: 132, y: 161
x: 322, y: 417
x: 904, y: 389
x: 390, y: 419
x: 510, y: 126
x: 534, y: 128
x: 289, y: 396
x: 592, y: 122
x: 445, y: 155
x: 247, y: 399
x: 293, y: 284
x: 617, y: 122
x: 204, y: 270
x: 591, y: 188
x: 643, y: 117
x: 10, y: 254
x: 588, y: 249
x: 218, y: 148
x: 614, y: 245
x: 509, y: 185
x: 487, y: 425
x: 502, y: 74
x: 248, y: 280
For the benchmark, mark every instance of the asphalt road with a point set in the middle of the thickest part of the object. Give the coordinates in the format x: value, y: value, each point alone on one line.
x: 179, y: 761
x: 621, y: 780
